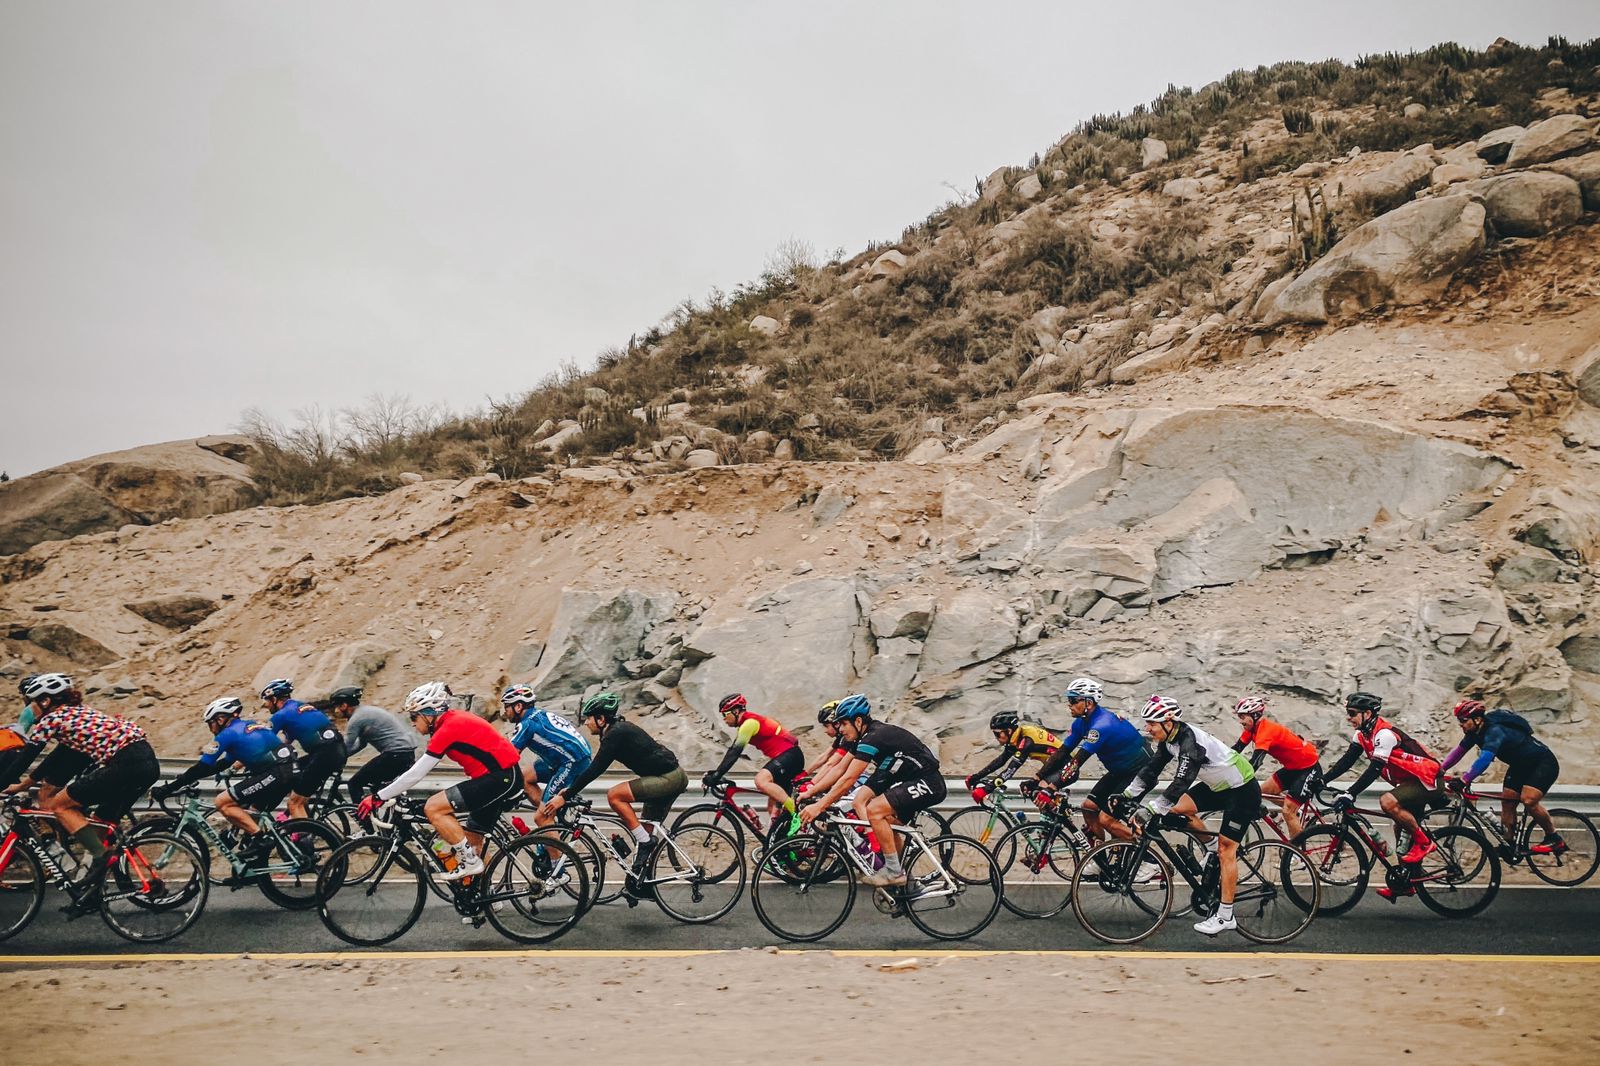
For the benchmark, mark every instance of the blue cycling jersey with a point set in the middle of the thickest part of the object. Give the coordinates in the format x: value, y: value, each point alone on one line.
x: 1115, y: 740
x: 255, y: 745
x: 1507, y: 736
x: 303, y: 724
x: 553, y: 740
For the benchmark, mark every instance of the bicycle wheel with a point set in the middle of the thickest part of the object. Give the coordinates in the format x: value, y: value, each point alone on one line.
x: 1343, y: 866
x: 804, y: 888
x: 987, y: 825
x: 593, y: 857
x: 289, y: 876
x: 21, y: 889
x: 1461, y: 876
x: 338, y: 816
x: 953, y: 887
x: 716, y: 816
x: 535, y: 889
x: 153, y: 889
x: 1111, y: 902
x: 1577, y: 863
x: 691, y: 875
x: 1038, y: 880
x: 370, y: 891
x: 1266, y: 909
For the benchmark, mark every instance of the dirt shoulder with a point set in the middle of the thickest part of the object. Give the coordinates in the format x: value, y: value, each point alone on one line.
x: 1240, y: 1010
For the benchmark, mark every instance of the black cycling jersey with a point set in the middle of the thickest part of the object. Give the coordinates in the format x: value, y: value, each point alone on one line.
x: 895, y: 753
x: 626, y: 743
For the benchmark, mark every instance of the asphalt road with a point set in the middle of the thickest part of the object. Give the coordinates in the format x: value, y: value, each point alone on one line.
x: 1522, y: 921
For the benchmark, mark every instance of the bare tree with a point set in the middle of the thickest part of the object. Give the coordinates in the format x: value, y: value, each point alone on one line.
x: 791, y: 260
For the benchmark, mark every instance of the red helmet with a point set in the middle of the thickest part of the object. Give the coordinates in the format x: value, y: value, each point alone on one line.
x: 732, y: 704
x: 1469, y: 709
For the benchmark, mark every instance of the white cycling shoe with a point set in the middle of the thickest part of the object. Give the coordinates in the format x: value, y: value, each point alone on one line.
x: 1147, y: 872
x: 1215, y: 924
x: 465, y: 869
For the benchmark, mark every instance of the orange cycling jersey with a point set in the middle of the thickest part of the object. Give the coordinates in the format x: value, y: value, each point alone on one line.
x: 770, y: 738
x: 1292, y: 751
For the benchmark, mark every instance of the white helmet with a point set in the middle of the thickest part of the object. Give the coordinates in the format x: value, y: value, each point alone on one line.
x: 1161, y: 709
x: 223, y: 705
x: 430, y: 699
x: 45, y: 685
x: 1085, y: 688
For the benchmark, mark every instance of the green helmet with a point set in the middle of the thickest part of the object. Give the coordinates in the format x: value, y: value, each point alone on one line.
x: 601, y: 705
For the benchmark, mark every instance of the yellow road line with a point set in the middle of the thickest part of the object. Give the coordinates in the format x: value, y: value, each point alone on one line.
x: 865, y: 953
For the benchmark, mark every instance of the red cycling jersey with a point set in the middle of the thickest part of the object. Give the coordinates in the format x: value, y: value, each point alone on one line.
x: 770, y: 739
x: 1291, y: 751
x: 477, y: 746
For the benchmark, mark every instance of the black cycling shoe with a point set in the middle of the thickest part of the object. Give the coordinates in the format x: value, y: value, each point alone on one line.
x: 257, y: 849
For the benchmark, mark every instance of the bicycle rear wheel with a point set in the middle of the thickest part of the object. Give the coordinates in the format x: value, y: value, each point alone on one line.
x: 535, y: 890
x: 21, y: 889
x: 1343, y: 866
x: 988, y: 826
x: 953, y: 887
x: 1577, y: 863
x: 1277, y: 894
x: 289, y: 876
x: 803, y: 888
x: 592, y: 855
x: 1461, y: 876
x: 1038, y: 879
x: 153, y: 889
x: 698, y: 874
x: 715, y: 815
x: 1111, y: 902
x: 370, y: 891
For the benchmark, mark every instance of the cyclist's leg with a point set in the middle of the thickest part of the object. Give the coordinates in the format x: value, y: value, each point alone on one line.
x: 554, y: 783
x: 775, y: 779
x: 1240, y: 806
x: 320, y: 763
x: 1532, y: 787
x: 896, y: 806
x: 260, y: 791
x: 1401, y: 804
x: 1111, y: 785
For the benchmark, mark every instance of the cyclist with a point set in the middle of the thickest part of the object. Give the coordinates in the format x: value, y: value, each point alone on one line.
x: 1531, y: 768
x: 304, y: 724
x: 559, y: 751
x: 904, y: 779
x: 1210, y: 776
x: 393, y: 742
x: 784, y: 758
x: 1019, y: 742
x: 661, y: 780
x: 269, y: 767
x: 57, y: 768
x: 122, y: 764
x: 493, y: 778
x: 1299, y: 774
x: 826, y: 768
x: 1402, y: 762
x: 1114, y: 740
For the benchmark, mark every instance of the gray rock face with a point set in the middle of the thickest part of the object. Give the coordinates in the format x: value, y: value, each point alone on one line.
x: 67, y: 640
x: 316, y: 675
x: 1404, y: 257
x: 1184, y: 189
x: 1152, y: 152
x: 972, y: 626
x: 1551, y: 139
x: 1392, y: 185
x: 909, y: 616
x: 1585, y: 170
x: 178, y: 610
x: 1530, y: 203
x: 595, y: 633
x: 1494, y: 146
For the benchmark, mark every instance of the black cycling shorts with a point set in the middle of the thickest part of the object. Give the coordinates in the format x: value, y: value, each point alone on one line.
x: 1418, y: 798
x: 1240, y: 805
x: 264, y: 789
x: 379, y: 771
x: 786, y: 766
x: 115, y: 785
x: 1539, y: 773
x: 61, y: 765
x: 1299, y: 785
x: 319, y: 764
x: 918, y: 794
x: 1111, y: 786
x: 484, y: 799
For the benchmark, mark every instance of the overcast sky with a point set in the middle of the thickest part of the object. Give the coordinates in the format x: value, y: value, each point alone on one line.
x: 211, y: 206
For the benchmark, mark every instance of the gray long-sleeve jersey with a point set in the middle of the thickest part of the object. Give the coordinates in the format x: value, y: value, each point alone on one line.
x: 380, y: 728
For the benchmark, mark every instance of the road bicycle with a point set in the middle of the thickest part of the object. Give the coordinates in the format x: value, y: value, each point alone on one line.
x: 285, y: 870
x: 152, y: 888
x: 1458, y: 878
x: 1040, y: 859
x: 1566, y: 866
x: 1120, y: 899
x: 371, y: 890
x: 990, y: 822
x: 805, y: 885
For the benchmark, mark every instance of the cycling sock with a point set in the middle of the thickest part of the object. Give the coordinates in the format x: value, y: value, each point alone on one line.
x: 1211, y: 845
x: 641, y: 834
x: 891, y: 865
x: 89, y: 837
x: 465, y: 852
x: 1225, y: 911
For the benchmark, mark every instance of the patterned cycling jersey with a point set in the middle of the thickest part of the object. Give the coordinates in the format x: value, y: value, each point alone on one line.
x: 1292, y: 751
x: 96, y: 735
x: 770, y: 738
x: 304, y: 724
x: 1115, y: 739
x: 1400, y: 757
x: 896, y: 753
x: 552, y: 739
x: 1201, y: 758
x: 474, y: 744
x: 256, y: 745
x: 1039, y: 743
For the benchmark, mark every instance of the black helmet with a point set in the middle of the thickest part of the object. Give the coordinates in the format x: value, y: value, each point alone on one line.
x: 601, y: 705
x: 1363, y: 701
x: 22, y: 686
x: 825, y: 715
x: 350, y: 694
x: 1003, y: 720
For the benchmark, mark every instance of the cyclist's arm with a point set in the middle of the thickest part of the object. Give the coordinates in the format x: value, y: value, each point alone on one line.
x: 993, y: 765
x: 833, y: 766
x: 1151, y: 773
x: 747, y: 730
x: 354, y: 734
x: 1050, y: 772
x: 604, y: 756
x: 16, y: 764
x: 1488, y: 748
x: 1455, y: 756
x: 852, y: 770
x: 822, y: 760
x: 410, y: 779
x: 1346, y: 761
x: 1191, y: 757
x: 1018, y: 757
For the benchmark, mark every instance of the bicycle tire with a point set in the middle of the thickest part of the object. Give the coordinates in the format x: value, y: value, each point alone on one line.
x: 1343, y: 865
x: 1264, y: 908
x: 680, y: 874
x: 296, y: 889
x: 1038, y: 880
x: 713, y: 814
x: 962, y: 869
x: 218, y: 867
x: 1582, y: 858
x: 521, y: 876
x: 21, y: 889
x: 986, y: 825
x: 594, y: 859
x: 1454, y: 870
x: 163, y: 883
x: 348, y: 887
x: 1112, y: 892
x: 783, y: 883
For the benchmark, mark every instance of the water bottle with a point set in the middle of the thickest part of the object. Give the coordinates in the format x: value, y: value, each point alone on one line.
x: 621, y: 845
x: 522, y: 827
x: 444, y: 853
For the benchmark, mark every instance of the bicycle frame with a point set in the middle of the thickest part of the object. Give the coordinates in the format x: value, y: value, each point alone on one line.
x: 841, y: 826
x: 24, y: 828
x: 193, y: 818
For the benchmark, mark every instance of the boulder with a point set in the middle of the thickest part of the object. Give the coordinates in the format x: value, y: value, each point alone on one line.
x: 888, y: 264
x: 594, y: 633
x: 701, y: 458
x: 1553, y: 138
x: 1183, y: 189
x: 569, y: 431
x: 926, y: 452
x: 891, y: 670
x: 1530, y: 203
x: 1406, y: 256
x: 70, y: 642
x: 783, y: 451
x: 595, y: 396
x: 765, y: 324
x: 176, y: 610
x: 994, y: 186
x: 410, y: 477
x: 1029, y: 187
x: 909, y: 616
x: 969, y: 626
x: 1152, y: 152
x: 315, y: 674
x: 1530, y: 566
x: 1585, y: 170
x: 830, y: 503
x: 1391, y: 185
x: 1415, y: 111
x: 1586, y: 376
x: 1494, y: 146
x: 1450, y: 173
x: 591, y: 473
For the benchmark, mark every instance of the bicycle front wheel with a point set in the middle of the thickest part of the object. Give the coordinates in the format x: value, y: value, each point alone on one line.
x: 697, y: 874
x: 1116, y: 895
x: 1343, y: 866
x: 592, y: 854
x: 953, y: 887
x: 153, y: 889
x: 1461, y: 876
x: 803, y: 888
x: 21, y: 889
x: 988, y: 826
x: 289, y: 876
x: 1572, y: 865
x: 1277, y: 894
x: 370, y: 891
x: 1038, y: 879
x: 535, y: 889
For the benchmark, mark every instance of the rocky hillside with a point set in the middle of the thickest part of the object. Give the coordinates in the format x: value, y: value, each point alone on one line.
x: 1369, y: 456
